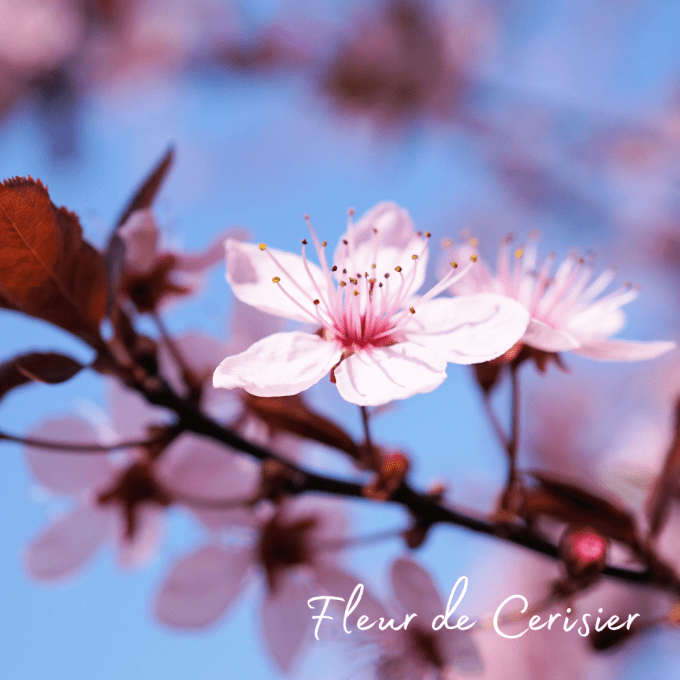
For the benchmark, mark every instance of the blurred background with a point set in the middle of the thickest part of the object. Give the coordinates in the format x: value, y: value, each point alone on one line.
x: 494, y: 117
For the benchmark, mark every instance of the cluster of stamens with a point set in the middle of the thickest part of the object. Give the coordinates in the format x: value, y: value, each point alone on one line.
x: 361, y: 311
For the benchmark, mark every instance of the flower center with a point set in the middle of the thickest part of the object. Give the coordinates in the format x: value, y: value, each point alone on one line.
x: 368, y: 307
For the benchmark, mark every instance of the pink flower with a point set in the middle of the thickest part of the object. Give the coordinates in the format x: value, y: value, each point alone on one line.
x: 378, y: 342
x: 104, y: 507
x: 120, y: 497
x: 288, y: 550
x: 419, y: 652
x: 153, y: 274
x: 567, y: 310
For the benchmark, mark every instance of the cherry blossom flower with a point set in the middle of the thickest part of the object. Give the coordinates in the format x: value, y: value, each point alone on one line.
x: 295, y: 550
x: 567, y: 309
x: 417, y: 652
x: 121, y: 497
x: 153, y: 274
x: 377, y: 340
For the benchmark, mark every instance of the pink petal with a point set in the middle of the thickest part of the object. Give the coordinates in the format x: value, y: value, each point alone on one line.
x: 146, y: 540
x: 393, y: 245
x: 68, y: 473
x: 279, y: 365
x: 140, y: 235
x: 286, y: 621
x: 542, y: 336
x: 212, y: 255
x: 416, y: 591
x: 201, y: 587
x: 395, y: 372
x: 459, y: 651
x: 468, y: 329
x: 201, y: 468
x: 132, y: 414
x: 200, y: 352
x: 250, y: 271
x: 67, y: 544
x: 339, y: 583
x: 625, y: 350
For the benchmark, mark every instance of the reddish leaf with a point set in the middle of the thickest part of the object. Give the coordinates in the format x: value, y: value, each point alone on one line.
x: 46, y: 269
x: 665, y: 488
x: 145, y: 195
x: 47, y: 367
x: 143, y: 198
x: 291, y: 414
x: 572, y: 504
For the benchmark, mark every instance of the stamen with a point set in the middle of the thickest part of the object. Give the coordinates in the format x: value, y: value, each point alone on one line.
x: 412, y: 310
x: 276, y: 279
x: 262, y: 246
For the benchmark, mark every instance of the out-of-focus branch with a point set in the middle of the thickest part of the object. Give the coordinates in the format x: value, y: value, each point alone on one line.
x: 427, y: 509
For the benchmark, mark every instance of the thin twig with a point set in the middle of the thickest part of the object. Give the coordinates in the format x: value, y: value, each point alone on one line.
x: 66, y: 447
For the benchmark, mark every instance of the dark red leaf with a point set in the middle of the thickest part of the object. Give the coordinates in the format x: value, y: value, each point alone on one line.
x: 47, y: 270
x: 291, y: 414
x: 666, y: 485
x: 46, y: 367
x: 145, y: 195
x: 573, y: 504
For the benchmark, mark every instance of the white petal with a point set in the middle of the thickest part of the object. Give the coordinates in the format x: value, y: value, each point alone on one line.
x: 625, y: 350
x: 286, y: 621
x: 67, y: 544
x: 279, y: 365
x: 469, y: 329
x: 387, y: 373
x: 544, y: 337
x: 416, y: 591
x: 393, y: 245
x: 250, y: 272
x: 140, y: 235
x: 140, y: 549
x: 201, y: 587
x: 68, y: 473
x: 596, y: 322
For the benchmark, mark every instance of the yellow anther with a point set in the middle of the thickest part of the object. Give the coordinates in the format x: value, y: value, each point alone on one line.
x: 454, y: 264
x: 518, y: 253
x: 412, y: 310
x: 372, y: 266
x: 276, y: 279
x: 387, y: 276
x: 427, y: 234
x: 342, y: 284
x: 324, y: 244
x: 473, y: 258
x: 414, y: 257
x: 352, y: 280
x: 262, y: 246
x: 397, y: 269
x: 356, y: 292
x: 474, y: 242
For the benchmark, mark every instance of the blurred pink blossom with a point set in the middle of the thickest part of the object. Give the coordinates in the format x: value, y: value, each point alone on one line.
x: 419, y: 652
x: 294, y: 548
x: 566, y: 313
